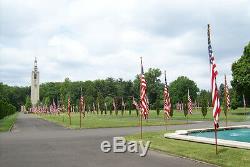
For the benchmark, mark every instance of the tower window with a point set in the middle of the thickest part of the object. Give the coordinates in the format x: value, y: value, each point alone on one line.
x: 35, y: 76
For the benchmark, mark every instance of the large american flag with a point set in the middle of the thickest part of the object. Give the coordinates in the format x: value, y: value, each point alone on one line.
x: 227, y: 96
x: 189, y: 104
x: 143, y: 96
x: 214, y: 89
x: 167, y: 104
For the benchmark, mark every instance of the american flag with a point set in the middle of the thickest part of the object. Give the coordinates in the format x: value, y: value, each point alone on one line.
x: 54, y: 107
x: 244, y: 101
x: 106, y: 108
x: 114, y: 106
x: 214, y: 89
x: 143, y: 97
x: 81, y: 104
x: 69, y: 108
x: 167, y: 104
x: 189, y: 104
x: 93, y: 107
x: 136, y: 104
x: 227, y: 96
x: 123, y: 104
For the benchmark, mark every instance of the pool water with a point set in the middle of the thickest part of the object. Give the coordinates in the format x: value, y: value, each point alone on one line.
x: 242, y: 135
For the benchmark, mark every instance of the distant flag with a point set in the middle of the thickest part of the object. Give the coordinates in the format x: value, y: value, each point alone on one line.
x: 98, y: 107
x: 144, y: 105
x: 106, y: 108
x: 244, y: 101
x: 227, y: 96
x: 81, y: 103
x: 181, y: 106
x: 54, y: 107
x: 114, y: 105
x: 167, y: 103
x: 123, y: 104
x: 189, y: 104
x: 214, y: 89
x: 89, y: 108
x: 178, y: 106
x: 136, y: 104
x: 93, y: 107
x: 69, y: 108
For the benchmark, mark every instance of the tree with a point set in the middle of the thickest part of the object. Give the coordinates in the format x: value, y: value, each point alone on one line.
x: 178, y: 89
x: 185, y: 107
x: 234, y: 100
x: 28, y: 103
x: 203, y: 101
x: 109, y: 101
x: 241, y: 74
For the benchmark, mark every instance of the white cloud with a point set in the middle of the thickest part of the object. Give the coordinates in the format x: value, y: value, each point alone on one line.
x: 98, y: 39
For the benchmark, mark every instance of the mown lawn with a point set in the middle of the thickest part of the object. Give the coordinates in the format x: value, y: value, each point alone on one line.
x: 104, y: 121
x: 7, y: 122
x: 228, y: 157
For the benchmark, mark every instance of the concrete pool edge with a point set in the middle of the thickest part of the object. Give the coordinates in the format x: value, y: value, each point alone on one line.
x: 182, y: 135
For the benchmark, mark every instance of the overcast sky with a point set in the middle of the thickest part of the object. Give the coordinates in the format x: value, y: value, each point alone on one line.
x: 89, y: 39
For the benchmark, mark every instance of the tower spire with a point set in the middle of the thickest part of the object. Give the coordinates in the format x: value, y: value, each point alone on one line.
x: 35, y: 64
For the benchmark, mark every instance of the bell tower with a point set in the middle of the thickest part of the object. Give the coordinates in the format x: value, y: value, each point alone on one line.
x: 35, y: 85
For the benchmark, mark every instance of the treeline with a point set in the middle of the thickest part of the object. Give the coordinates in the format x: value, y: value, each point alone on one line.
x: 107, y: 90
x: 11, y: 98
x: 6, y: 109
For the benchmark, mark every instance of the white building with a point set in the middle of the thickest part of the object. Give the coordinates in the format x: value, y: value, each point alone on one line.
x: 34, y: 85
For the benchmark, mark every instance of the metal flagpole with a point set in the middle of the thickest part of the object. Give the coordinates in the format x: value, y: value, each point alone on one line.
x: 69, y: 112
x: 80, y: 109
x: 141, y: 126
x: 140, y: 103
x: 215, y: 135
x: 225, y: 98
x: 165, y: 118
x: 244, y: 103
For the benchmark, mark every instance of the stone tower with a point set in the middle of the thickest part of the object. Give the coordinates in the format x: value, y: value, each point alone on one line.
x: 35, y: 85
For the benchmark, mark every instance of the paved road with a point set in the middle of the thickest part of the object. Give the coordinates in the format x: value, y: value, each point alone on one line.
x: 37, y: 143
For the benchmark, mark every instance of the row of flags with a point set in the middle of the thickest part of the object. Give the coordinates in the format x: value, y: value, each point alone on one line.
x: 52, y: 109
x: 143, y: 105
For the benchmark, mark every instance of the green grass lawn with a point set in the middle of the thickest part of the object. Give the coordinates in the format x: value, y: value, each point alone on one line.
x: 105, y: 121
x: 228, y: 157
x: 7, y: 122
x: 238, y: 115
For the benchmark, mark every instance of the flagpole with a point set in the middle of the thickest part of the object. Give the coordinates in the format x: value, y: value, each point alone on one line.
x: 141, y: 126
x: 215, y: 135
x: 165, y: 119
x: 226, y: 100
x: 214, y: 90
x: 69, y: 108
x: 141, y: 111
x: 81, y: 109
x: 244, y: 103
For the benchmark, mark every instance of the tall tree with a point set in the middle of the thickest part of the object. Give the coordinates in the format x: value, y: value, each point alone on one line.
x: 178, y: 89
x: 241, y: 74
